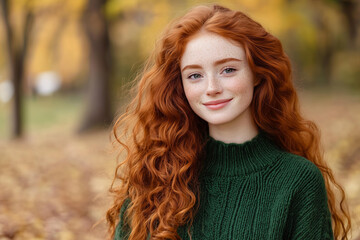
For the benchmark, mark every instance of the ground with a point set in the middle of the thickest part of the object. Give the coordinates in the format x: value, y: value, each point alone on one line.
x: 54, y: 183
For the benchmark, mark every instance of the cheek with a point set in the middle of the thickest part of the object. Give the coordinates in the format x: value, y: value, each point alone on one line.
x: 192, y: 93
x: 241, y: 87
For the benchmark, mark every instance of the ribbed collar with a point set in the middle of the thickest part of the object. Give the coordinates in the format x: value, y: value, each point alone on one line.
x: 232, y: 159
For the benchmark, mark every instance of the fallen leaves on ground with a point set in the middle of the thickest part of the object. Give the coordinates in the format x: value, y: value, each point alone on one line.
x: 54, y: 184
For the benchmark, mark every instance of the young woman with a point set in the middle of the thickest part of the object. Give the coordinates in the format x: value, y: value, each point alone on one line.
x: 215, y: 144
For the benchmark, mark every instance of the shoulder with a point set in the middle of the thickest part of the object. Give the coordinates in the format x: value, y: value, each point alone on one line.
x: 301, y: 164
x: 122, y: 230
x: 308, y: 205
x: 123, y: 210
x: 305, y: 175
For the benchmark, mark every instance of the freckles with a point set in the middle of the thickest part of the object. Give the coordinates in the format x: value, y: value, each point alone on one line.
x: 243, y: 83
x: 192, y: 89
x: 189, y: 92
x: 238, y: 85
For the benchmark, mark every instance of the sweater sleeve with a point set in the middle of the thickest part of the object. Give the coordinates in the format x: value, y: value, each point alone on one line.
x: 309, y: 215
x: 122, y: 230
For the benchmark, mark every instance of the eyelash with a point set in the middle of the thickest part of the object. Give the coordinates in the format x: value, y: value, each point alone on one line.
x: 227, y: 68
x: 191, y: 76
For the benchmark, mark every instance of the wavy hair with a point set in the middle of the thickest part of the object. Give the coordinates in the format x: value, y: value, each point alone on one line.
x: 163, y: 138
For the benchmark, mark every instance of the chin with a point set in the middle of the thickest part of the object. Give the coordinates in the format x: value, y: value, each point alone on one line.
x: 218, y: 121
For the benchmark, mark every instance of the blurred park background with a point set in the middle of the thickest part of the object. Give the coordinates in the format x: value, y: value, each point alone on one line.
x: 64, y: 65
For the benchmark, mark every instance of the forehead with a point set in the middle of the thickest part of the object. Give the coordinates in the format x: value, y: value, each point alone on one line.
x: 210, y: 47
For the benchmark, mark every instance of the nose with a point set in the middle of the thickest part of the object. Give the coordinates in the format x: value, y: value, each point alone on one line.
x: 214, y: 86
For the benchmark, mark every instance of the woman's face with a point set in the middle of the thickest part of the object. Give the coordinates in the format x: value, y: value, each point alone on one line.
x: 217, y: 80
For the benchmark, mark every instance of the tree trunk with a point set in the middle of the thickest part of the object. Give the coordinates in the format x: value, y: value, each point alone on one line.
x: 16, y: 52
x: 17, y: 104
x: 98, y: 111
x: 349, y: 9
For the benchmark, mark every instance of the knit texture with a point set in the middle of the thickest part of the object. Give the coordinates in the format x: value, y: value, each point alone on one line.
x: 256, y: 191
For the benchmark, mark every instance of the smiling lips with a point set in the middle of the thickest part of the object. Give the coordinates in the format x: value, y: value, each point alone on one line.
x: 215, y: 105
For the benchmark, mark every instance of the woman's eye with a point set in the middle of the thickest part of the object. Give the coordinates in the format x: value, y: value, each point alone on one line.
x: 195, y: 76
x: 229, y: 70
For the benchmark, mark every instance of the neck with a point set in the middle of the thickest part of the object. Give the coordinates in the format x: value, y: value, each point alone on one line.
x: 239, y: 130
x: 232, y: 159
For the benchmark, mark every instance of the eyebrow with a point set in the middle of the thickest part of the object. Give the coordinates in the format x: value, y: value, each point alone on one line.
x: 221, y: 61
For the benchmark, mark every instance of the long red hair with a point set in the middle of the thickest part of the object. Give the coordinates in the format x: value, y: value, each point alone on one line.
x: 163, y: 138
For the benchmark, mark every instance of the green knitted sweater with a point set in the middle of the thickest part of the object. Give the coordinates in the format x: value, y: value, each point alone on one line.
x: 256, y: 191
